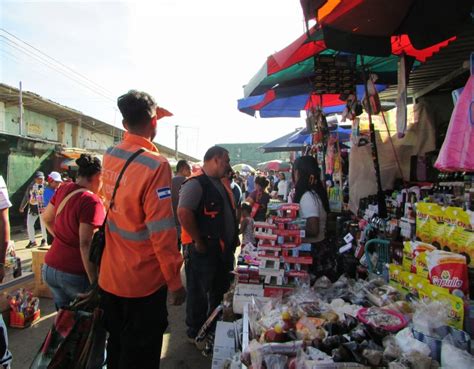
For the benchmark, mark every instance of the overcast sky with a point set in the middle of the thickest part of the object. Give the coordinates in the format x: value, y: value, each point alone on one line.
x: 193, y: 56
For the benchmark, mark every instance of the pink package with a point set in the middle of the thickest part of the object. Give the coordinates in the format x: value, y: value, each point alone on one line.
x: 458, y: 146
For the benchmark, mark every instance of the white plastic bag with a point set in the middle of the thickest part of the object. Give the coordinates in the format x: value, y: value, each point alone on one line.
x: 454, y: 358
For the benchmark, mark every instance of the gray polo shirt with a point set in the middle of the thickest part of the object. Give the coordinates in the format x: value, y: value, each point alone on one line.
x: 190, y: 197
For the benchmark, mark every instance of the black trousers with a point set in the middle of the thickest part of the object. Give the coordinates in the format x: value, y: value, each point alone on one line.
x: 208, y: 278
x: 136, y: 327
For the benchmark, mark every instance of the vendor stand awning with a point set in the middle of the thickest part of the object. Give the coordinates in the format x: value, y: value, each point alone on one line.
x: 275, y: 165
x: 283, y: 144
x: 369, y: 26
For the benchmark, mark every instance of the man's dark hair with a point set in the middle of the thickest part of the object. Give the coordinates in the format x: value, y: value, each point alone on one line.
x: 137, y: 107
x: 181, y: 165
x: 215, y: 151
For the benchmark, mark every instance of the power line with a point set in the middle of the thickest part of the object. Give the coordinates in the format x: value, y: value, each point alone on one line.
x: 38, y: 58
x: 57, y: 61
x: 21, y: 49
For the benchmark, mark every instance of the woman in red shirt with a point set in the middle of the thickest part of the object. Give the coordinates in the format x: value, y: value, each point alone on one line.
x: 74, y: 213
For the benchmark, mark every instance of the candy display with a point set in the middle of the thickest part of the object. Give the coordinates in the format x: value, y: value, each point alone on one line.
x: 24, y: 308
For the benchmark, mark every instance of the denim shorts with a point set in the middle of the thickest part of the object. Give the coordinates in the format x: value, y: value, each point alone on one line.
x: 64, y: 286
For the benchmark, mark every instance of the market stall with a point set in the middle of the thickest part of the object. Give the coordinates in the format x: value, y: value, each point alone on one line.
x: 404, y: 242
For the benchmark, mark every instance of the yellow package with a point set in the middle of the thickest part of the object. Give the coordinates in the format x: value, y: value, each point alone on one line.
x: 463, y: 237
x: 415, y: 283
x: 437, y: 225
x: 424, y: 220
x: 450, y: 218
x: 394, y: 271
x: 411, y: 250
x: 421, y: 265
x: 456, y: 314
x: 407, y: 256
x: 405, y: 282
x: 417, y: 249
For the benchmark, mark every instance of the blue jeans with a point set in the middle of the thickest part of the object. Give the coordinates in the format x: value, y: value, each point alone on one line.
x: 64, y: 286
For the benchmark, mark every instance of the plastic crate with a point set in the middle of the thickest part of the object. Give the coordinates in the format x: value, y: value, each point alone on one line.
x: 18, y: 320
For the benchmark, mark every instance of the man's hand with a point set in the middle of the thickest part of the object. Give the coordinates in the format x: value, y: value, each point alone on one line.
x: 2, y: 273
x: 21, y: 210
x: 178, y: 297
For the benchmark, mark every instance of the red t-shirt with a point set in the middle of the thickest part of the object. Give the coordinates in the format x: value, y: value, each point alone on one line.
x: 84, y: 207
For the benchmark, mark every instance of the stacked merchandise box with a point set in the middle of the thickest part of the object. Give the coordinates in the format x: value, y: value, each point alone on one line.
x: 283, y: 260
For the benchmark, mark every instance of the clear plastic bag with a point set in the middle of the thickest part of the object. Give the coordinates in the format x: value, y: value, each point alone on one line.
x: 453, y: 357
x: 275, y: 361
x: 428, y: 317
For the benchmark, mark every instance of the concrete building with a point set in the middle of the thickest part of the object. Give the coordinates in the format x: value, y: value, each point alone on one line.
x: 49, y: 137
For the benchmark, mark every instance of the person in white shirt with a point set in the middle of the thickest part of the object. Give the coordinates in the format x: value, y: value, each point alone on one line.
x: 314, y: 207
x: 282, y: 187
x: 5, y: 204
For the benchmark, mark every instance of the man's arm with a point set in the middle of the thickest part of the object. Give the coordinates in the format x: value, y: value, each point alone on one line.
x: 4, y: 239
x: 189, y: 199
x: 188, y: 222
x: 161, y: 226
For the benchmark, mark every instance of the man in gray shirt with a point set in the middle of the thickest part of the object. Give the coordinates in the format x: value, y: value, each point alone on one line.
x: 183, y: 171
x: 206, y: 211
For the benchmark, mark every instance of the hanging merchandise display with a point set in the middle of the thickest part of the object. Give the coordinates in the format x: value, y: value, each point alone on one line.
x: 402, y: 97
x: 458, y: 146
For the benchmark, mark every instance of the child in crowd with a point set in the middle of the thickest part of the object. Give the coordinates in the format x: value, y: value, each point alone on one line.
x: 247, y: 225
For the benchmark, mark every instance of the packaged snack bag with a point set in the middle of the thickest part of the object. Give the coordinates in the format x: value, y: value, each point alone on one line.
x: 448, y: 270
x: 450, y: 218
x: 411, y: 251
x: 456, y: 314
x: 424, y: 220
x: 438, y: 227
x: 394, y: 276
x: 421, y: 265
x: 407, y: 256
x: 405, y: 281
x: 416, y: 283
x: 418, y: 248
x: 463, y: 236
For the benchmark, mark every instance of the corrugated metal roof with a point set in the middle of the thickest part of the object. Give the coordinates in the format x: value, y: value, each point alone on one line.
x: 446, y: 70
x: 36, y: 103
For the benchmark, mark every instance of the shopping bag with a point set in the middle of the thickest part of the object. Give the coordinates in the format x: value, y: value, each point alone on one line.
x: 75, y: 341
x: 456, y: 152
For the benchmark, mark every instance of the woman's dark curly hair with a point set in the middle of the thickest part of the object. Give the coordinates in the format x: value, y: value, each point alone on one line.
x: 309, y: 180
x: 88, y: 166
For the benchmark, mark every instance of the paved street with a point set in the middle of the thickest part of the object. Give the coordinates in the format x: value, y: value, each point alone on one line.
x: 177, y: 353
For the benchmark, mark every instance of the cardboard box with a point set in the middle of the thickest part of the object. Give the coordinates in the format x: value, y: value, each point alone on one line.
x: 243, y: 295
x: 224, y: 344
x: 276, y: 291
x: 41, y: 288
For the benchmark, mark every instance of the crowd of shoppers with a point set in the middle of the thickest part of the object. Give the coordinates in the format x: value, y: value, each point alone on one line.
x: 154, y: 222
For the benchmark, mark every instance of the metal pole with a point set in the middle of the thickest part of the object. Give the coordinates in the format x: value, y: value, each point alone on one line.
x: 20, y: 108
x: 176, y: 142
x: 375, y: 156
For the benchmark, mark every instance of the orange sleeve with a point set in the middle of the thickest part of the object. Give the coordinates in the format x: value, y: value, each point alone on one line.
x: 160, y: 222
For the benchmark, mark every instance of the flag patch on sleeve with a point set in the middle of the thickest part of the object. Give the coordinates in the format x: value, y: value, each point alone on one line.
x: 163, y: 193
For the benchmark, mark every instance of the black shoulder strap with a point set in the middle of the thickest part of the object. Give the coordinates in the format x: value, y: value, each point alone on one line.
x: 117, y: 183
x: 127, y: 163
